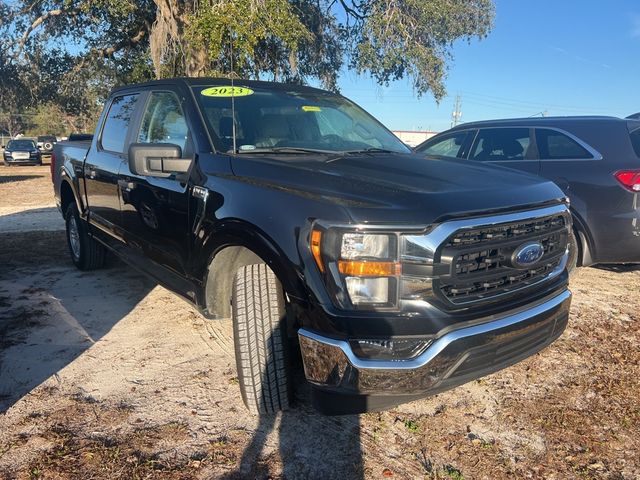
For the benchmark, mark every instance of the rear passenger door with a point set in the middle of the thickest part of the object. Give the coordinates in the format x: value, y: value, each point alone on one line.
x: 569, y: 162
x: 102, y: 165
x: 511, y: 147
x: 155, y: 213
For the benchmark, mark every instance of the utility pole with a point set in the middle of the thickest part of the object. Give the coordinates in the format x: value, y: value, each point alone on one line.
x: 456, y: 115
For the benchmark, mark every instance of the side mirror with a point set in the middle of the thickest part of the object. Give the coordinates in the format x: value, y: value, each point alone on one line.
x: 157, y: 159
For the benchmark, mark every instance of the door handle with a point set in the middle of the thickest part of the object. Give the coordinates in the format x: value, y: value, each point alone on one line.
x: 126, y: 185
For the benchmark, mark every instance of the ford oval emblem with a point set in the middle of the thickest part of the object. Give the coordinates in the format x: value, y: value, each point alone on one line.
x: 527, y: 254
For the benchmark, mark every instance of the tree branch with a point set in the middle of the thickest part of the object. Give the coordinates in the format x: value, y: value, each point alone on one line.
x: 130, y: 42
x: 39, y: 21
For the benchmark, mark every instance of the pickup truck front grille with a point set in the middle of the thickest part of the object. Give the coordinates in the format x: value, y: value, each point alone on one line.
x: 504, y: 232
x: 481, y: 264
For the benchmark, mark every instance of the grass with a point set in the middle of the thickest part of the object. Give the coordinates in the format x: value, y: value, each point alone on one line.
x: 452, y: 472
x: 412, y: 426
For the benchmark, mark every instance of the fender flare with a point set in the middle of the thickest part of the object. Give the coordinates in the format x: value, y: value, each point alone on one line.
x: 238, y: 234
x: 65, y: 178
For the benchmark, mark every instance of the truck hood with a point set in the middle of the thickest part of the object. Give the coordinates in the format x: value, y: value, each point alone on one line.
x: 398, y: 188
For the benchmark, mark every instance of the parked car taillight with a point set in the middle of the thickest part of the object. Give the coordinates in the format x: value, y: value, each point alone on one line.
x: 630, y: 179
x: 52, y: 165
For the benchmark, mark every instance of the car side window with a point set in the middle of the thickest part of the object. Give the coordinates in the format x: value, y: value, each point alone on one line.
x: 116, y: 125
x: 499, y: 144
x: 555, y: 145
x: 451, y: 145
x: 163, y: 121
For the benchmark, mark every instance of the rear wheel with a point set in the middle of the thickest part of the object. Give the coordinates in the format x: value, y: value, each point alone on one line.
x: 86, y: 253
x: 260, y: 338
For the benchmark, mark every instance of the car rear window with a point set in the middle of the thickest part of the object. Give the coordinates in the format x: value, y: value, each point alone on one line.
x: 635, y: 141
x: 555, y: 145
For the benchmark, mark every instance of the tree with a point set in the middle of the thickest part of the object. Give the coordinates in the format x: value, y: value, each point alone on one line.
x: 286, y: 40
x: 14, y: 93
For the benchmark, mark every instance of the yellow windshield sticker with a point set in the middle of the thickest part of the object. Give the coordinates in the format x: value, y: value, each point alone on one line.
x: 311, y: 108
x: 226, y: 91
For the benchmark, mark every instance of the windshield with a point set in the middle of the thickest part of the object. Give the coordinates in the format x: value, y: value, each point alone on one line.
x: 290, y: 121
x: 21, y: 145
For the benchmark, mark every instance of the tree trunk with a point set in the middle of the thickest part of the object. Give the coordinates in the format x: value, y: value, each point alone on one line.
x: 171, y: 54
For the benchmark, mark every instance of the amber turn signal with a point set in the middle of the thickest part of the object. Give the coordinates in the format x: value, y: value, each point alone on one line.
x: 369, y: 269
x: 316, y: 238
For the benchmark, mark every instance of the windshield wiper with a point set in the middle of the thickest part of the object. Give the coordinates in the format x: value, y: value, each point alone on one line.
x: 286, y: 150
x: 370, y: 150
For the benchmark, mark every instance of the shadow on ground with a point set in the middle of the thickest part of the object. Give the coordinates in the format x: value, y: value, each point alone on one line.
x: 31, y: 220
x: 18, y: 178
x: 50, y: 313
x: 619, y: 268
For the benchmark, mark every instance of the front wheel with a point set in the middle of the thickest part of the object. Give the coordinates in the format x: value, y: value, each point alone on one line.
x: 260, y: 339
x: 86, y: 252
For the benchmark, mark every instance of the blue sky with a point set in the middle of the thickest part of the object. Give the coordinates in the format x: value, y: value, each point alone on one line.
x: 568, y: 57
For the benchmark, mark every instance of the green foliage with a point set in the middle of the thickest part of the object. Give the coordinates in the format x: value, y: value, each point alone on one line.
x: 239, y: 35
x: 294, y: 40
x: 70, y: 53
x: 452, y: 472
x: 412, y: 426
x: 49, y: 119
x: 412, y: 38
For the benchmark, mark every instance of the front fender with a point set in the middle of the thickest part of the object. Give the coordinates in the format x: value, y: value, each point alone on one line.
x: 235, y: 232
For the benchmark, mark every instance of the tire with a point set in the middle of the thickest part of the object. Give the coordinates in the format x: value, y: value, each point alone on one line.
x: 86, y: 253
x: 260, y: 339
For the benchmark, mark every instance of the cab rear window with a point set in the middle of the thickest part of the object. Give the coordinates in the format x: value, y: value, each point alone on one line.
x: 115, y: 127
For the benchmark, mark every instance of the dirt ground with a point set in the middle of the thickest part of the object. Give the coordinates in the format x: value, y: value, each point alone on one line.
x: 105, y: 375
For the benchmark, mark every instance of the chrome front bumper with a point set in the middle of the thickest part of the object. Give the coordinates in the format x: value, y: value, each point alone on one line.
x: 452, y: 358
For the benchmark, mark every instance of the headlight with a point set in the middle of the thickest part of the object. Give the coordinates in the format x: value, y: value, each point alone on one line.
x: 363, y: 245
x: 371, y: 291
x: 364, y: 270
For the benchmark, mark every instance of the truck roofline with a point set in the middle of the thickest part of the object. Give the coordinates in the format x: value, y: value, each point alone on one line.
x: 199, y: 81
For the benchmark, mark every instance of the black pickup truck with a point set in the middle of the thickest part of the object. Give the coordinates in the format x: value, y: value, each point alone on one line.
x: 295, y: 213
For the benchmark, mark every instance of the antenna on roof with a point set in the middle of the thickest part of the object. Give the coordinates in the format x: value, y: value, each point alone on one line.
x: 233, y: 103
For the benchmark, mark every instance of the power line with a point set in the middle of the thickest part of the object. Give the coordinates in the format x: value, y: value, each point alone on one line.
x: 515, y: 102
